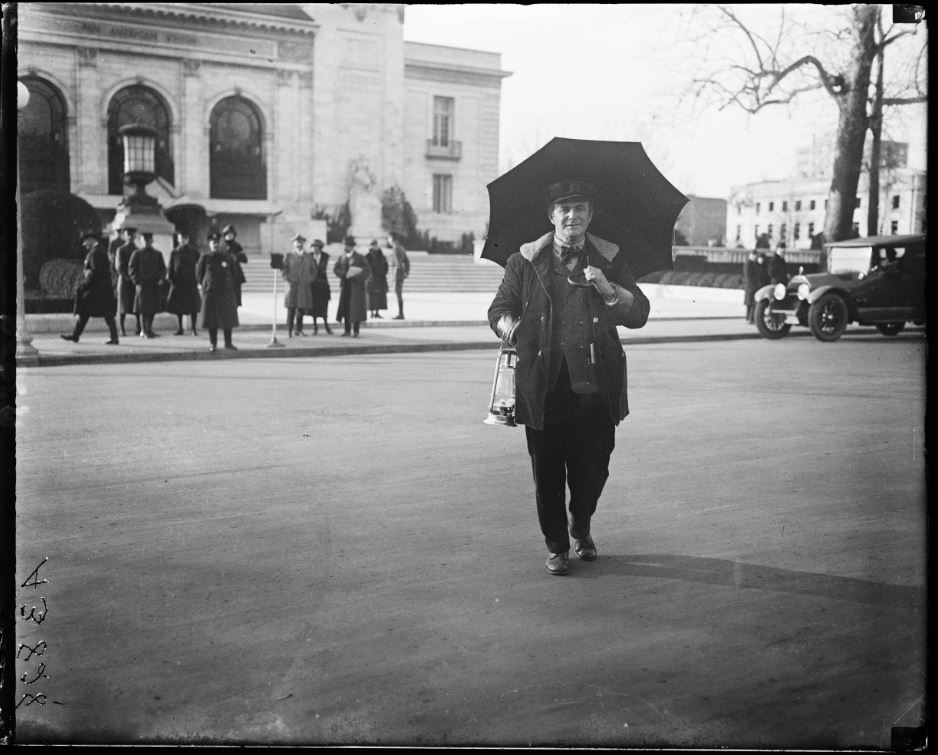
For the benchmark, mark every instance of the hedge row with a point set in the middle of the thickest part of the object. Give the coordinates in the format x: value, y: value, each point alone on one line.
x: 58, y: 278
x: 695, y: 278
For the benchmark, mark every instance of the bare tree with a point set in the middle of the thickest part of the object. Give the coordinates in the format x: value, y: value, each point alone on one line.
x: 770, y: 71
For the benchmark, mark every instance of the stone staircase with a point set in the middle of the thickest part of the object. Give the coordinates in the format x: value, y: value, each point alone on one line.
x: 429, y: 273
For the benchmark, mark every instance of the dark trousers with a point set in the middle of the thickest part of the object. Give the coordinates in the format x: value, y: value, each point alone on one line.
x: 213, y: 336
x: 573, y: 448
x: 352, y: 327
x: 83, y: 321
x: 295, y: 315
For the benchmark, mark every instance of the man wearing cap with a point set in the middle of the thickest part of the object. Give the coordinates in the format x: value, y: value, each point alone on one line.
x: 560, y: 300
x: 147, y: 271
x: 298, y: 273
x: 219, y: 305
x: 319, y: 288
x: 95, y: 296
x: 353, y: 271
x: 126, y: 290
x: 240, y: 258
x: 183, y: 298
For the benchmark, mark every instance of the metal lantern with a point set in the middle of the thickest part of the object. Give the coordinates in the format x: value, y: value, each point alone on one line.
x: 139, y: 153
x: 502, y: 403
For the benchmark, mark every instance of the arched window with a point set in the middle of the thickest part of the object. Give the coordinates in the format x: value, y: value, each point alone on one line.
x: 137, y: 104
x: 43, y: 139
x: 238, y: 165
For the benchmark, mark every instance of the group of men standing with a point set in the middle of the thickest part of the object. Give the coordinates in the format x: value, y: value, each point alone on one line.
x: 761, y: 270
x: 141, y: 273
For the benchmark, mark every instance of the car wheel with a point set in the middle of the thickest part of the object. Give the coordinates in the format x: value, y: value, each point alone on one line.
x: 828, y: 317
x: 890, y: 328
x: 769, y: 324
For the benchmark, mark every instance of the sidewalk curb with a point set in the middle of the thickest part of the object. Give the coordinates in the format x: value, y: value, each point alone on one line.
x: 331, y: 351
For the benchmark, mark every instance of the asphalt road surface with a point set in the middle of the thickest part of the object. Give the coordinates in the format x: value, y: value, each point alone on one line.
x: 339, y: 551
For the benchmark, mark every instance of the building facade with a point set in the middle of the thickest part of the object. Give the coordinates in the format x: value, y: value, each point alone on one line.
x: 268, y: 116
x: 702, y: 222
x: 793, y: 210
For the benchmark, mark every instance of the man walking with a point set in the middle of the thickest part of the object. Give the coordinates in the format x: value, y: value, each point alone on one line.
x: 559, y: 302
x: 95, y: 296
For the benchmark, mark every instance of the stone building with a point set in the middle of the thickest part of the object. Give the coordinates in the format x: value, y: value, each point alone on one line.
x: 702, y: 222
x: 269, y: 115
x: 793, y: 210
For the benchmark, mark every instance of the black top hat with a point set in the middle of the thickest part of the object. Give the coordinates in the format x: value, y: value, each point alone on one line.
x: 350, y: 241
x: 569, y: 189
x: 229, y: 229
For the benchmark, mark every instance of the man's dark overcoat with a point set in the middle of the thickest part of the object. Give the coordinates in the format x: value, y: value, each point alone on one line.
x: 126, y: 290
x: 95, y: 295
x: 147, y: 271
x: 524, y: 294
x: 353, y: 299
x: 751, y: 281
x: 215, y: 272
x: 183, y: 296
x: 321, y: 290
x: 778, y: 269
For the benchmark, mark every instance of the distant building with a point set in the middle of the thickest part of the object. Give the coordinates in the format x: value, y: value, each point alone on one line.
x: 793, y: 210
x: 267, y: 113
x: 702, y: 222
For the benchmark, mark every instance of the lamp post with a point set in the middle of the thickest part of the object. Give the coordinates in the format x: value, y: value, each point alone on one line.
x: 25, y: 351
x: 138, y: 209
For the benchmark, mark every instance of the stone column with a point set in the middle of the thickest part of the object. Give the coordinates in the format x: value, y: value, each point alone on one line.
x: 91, y: 129
x: 191, y: 165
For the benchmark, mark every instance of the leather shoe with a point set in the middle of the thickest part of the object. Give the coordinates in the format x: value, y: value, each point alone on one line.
x: 585, y: 548
x: 112, y: 342
x: 558, y: 563
x: 72, y: 338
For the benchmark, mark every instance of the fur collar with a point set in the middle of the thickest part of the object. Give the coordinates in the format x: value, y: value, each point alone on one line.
x: 532, y: 249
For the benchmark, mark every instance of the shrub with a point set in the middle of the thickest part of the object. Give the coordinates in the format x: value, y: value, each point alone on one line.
x: 337, y: 222
x: 691, y: 279
x: 58, y: 278
x: 654, y: 277
x: 397, y: 215
x: 667, y: 278
x: 53, y: 221
x: 706, y: 280
x: 732, y: 280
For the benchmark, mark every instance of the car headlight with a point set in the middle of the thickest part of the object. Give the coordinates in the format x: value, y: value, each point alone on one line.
x: 779, y: 291
x: 803, y: 290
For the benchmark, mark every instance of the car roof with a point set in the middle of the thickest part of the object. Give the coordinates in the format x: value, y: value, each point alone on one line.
x: 879, y: 241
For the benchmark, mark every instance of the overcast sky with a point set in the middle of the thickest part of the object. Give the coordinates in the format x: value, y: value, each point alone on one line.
x: 620, y: 74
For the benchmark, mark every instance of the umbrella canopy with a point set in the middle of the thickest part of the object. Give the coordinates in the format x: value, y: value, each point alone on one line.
x: 636, y: 206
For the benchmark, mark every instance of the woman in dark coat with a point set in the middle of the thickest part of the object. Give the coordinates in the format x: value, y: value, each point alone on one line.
x: 215, y: 273
x: 184, y: 296
x: 321, y: 290
x: 126, y: 290
x: 95, y: 296
x: 378, y: 283
x: 147, y: 271
x: 240, y: 258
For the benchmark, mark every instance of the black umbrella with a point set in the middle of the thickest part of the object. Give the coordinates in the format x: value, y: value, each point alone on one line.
x: 636, y: 206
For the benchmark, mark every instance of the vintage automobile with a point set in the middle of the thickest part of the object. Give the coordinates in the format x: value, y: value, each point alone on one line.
x: 876, y: 280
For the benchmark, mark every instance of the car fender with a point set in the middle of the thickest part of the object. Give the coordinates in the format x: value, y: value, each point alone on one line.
x: 817, y: 293
x: 763, y: 293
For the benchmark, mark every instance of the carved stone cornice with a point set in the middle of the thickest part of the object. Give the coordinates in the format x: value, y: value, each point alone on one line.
x: 191, y: 67
x: 295, y: 52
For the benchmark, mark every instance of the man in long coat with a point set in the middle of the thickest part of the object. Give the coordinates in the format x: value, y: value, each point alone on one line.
x: 378, y: 283
x: 229, y: 233
x: 751, y: 281
x: 147, y: 271
x: 183, y: 298
x: 299, y: 272
x: 778, y: 267
x: 319, y: 287
x: 559, y: 302
x: 126, y: 290
x: 353, y: 271
x: 219, y: 303
x: 95, y: 294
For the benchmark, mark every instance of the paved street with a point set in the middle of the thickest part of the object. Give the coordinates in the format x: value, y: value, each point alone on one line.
x: 337, y: 550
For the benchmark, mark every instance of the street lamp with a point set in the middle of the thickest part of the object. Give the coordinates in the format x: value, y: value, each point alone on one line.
x: 25, y: 351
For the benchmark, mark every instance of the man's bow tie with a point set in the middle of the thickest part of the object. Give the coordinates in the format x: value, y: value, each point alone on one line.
x: 568, y: 253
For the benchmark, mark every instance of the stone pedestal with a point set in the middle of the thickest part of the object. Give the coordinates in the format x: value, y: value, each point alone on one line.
x: 365, y: 211
x: 147, y: 217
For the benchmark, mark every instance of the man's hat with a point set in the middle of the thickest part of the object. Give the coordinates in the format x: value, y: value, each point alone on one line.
x: 350, y: 241
x: 229, y: 229
x: 318, y: 242
x: 129, y: 228
x: 569, y: 189
x: 214, y: 236
x: 89, y: 234
x: 299, y: 237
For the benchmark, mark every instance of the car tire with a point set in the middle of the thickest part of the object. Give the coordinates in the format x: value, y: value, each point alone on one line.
x: 828, y: 317
x: 769, y: 325
x: 890, y: 328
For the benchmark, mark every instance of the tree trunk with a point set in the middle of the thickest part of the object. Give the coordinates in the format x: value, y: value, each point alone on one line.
x: 876, y: 131
x: 852, y: 126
